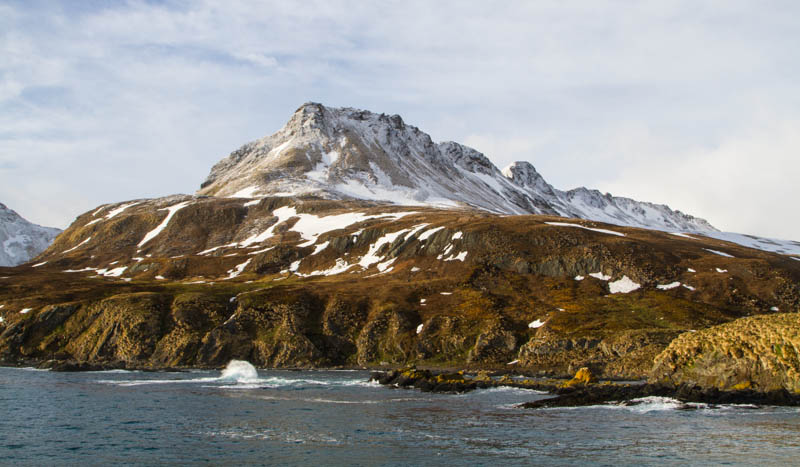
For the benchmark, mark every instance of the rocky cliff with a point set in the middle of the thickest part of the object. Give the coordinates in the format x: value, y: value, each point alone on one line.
x: 758, y: 352
x: 351, y: 239
x: 288, y: 281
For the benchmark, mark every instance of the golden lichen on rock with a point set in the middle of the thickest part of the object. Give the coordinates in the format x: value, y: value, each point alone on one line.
x: 582, y: 377
x: 177, y: 303
x: 761, y: 352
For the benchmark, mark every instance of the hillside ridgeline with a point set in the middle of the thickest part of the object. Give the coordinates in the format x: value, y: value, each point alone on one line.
x: 305, y: 282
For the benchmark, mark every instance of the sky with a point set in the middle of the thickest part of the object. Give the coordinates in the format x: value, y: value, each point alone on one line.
x: 694, y: 104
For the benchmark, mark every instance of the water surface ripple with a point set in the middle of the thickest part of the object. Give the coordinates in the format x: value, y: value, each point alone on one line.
x: 337, y: 418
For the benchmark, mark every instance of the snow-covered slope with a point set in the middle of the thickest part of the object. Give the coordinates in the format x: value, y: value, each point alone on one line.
x: 341, y: 153
x: 21, y: 240
x: 784, y: 247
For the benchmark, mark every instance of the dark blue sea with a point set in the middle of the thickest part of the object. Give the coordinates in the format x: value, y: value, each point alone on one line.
x: 338, y: 418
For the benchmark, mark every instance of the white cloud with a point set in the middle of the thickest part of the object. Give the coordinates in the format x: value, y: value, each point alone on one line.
x: 747, y: 184
x: 134, y: 99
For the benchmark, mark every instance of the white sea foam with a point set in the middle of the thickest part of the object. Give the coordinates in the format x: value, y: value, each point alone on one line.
x: 293, y: 437
x: 510, y: 390
x: 656, y: 404
x: 241, y: 375
x: 240, y: 371
x: 237, y: 371
x: 149, y: 382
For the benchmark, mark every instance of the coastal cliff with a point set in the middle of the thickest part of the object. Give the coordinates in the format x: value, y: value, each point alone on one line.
x: 303, y: 282
x: 758, y: 352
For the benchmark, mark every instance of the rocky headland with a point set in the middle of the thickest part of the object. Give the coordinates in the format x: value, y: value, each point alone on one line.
x: 584, y: 389
x: 301, y: 281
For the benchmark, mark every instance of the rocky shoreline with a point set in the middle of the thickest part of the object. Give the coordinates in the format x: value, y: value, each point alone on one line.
x: 582, y: 390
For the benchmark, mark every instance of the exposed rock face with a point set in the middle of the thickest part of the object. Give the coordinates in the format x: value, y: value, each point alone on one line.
x: 759, y: 352
x: 689, y: 396
x: 341, y: 279
x: 624, y: 354
x: 285, y: 282
x: 345, y: 153
x: 20, y: 240
x: 121, y: 328
x: 582, y: 377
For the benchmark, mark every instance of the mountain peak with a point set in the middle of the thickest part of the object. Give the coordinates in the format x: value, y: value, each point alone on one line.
x: 20, y: 240
x: 524, y: 174
x: 348, y: 153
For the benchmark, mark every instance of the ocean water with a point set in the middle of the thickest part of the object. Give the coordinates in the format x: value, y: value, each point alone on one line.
x: 241, y: 416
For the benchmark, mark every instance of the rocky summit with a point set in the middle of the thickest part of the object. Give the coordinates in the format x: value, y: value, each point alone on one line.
x: 344, y: 153
x: 321, y: 279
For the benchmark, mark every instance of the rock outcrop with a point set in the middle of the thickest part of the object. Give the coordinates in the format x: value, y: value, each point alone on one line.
x: 758, y: 352
x: 303, y: 249
x: 303, y: 282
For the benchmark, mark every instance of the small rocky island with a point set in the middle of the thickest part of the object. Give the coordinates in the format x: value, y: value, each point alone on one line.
x: 584, y: 389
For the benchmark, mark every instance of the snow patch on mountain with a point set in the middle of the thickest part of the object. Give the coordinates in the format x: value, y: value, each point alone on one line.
x: 20, y: 240
x: 163, y: 225
x: 310, y: 226
x: 340, y: 153
x: 624, y: 285
x: 785, y: 247
x: 605, y: 231
x: 720, y: 253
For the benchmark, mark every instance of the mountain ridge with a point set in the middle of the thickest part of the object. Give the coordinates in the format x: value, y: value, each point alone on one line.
x: 21, y: 240
x: 194, y: 281
x: 341, y: 153
x: 292, y: 279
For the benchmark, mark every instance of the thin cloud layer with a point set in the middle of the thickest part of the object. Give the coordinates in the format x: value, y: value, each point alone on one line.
x: 687, y: 103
